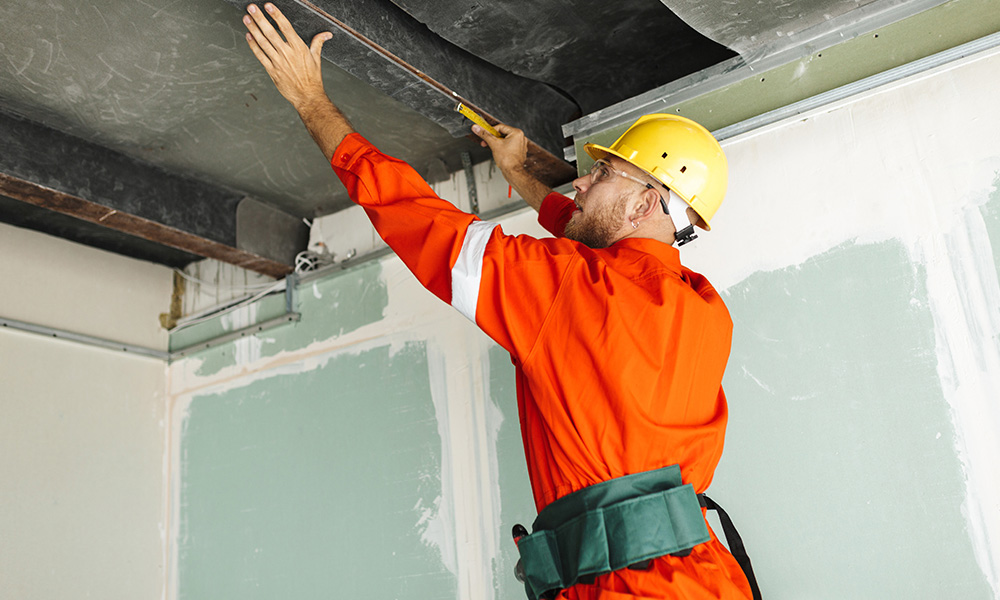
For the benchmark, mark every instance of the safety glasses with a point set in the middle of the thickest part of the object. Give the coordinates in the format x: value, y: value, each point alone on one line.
x: 603, y: 171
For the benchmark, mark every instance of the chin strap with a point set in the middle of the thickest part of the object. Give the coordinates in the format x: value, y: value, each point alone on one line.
x: 677, y: 209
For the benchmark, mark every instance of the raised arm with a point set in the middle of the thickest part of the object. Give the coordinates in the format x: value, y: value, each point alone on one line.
x: 295, y: 70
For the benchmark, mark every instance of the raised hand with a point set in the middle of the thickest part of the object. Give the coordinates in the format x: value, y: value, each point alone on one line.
x: 294, y: 67
x: 510, y: 151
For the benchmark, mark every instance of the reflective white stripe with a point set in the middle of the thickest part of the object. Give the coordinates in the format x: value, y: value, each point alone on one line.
x: 468, y: 270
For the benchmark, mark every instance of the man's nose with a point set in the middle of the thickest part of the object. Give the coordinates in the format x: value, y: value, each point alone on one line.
x: 580, y: 184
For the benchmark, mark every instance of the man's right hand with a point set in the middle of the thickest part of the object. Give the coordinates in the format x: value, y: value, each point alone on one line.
x: 294, y: 67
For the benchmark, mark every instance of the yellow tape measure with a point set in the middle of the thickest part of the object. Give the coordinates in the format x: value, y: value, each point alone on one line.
x: 478, y: 120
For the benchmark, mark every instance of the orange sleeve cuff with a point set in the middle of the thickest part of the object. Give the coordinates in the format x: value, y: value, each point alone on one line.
x: 555, y: 212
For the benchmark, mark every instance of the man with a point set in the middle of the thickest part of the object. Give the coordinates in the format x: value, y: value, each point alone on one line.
x: 619, y: 350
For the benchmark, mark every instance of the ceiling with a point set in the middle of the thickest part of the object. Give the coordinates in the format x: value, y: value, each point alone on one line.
x: 149, y: 129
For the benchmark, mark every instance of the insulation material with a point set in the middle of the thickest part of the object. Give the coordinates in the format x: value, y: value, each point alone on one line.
x: 597, y: 53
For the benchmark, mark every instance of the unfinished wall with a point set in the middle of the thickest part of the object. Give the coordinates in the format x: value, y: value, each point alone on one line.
x: 858, y: 257
x: 363, y: 447
x: 374, y: 444
x: 82, y: 429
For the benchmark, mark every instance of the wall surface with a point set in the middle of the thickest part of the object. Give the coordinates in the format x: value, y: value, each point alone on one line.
x: 82, y: 429
x: 858, y: 255
x: 375, y: 442
x: 362, y: 447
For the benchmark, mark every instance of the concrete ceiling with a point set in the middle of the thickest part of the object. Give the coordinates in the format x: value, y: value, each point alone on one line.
x: 149, y: 129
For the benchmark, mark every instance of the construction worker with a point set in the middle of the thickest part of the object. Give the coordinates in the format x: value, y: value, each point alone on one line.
x: 619, y: 350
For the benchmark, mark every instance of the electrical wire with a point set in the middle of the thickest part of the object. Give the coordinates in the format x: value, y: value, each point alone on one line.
x: 193, y: 279
x: 273, y: 287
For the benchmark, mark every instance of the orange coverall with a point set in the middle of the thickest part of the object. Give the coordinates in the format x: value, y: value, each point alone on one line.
x: 619, y: 352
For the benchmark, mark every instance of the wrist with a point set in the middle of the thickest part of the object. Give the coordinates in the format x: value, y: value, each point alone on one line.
x: 514, y: 170
x: 312, y: 102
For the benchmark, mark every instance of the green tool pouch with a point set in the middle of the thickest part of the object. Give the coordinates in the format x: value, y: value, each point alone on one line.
x: 610, y: 526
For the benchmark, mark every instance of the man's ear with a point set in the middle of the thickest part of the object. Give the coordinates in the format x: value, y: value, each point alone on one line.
x: 647, y: 204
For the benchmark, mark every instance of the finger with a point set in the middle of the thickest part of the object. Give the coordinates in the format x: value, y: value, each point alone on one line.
x: 258, y: 36
x: 506, y: 129
x: 268, y: 30
x: 486, y: 137
x: 316, y: 47
x: 255, y: 48
x: 286, y: 28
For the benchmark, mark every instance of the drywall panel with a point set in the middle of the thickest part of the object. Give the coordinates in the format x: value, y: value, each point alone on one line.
x: 516, y: 501
x: 857, y: 253
x: 379, y: 384
x: 81, y: 471
x: 82, y: 429
x: 49, y: 281
x: 838, y: 417
x: 315, y: 484
x: 816, y: 69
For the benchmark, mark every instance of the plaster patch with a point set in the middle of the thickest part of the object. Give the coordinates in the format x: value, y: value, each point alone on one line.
x: 246, y: 349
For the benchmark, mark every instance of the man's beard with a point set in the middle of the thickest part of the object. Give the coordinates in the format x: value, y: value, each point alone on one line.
x: 598, y: 229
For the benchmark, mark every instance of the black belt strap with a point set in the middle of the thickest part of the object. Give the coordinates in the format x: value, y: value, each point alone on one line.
x: 735, y: 542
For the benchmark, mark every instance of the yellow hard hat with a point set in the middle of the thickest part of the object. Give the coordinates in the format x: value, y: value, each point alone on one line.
x: 679, y: 153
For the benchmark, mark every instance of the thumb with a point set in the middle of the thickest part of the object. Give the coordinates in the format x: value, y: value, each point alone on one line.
x: 487, y: 137
x: 316, y: 46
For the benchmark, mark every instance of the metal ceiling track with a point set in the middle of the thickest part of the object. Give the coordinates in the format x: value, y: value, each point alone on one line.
x: 290, y: 315
x: 856, y: 23
x: 87, y: 340
x: 971, y: 49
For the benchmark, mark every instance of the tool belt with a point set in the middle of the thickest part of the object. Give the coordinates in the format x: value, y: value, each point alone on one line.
x: 619, y: 523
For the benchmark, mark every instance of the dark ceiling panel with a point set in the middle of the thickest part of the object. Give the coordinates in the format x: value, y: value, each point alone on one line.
x: 151, y: 109
x: 598, y: 52
x: 175, y: 85
x: 389, y: 50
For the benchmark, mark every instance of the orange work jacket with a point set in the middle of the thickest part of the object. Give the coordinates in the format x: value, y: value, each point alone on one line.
x: 619, y: 352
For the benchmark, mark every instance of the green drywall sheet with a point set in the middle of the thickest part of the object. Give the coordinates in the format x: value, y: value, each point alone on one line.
x: 316, y: 484
x: 516, y: 502
x: 840, y: 441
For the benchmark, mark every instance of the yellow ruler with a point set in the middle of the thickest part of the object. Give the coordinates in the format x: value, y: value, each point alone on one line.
x: 478, y: 120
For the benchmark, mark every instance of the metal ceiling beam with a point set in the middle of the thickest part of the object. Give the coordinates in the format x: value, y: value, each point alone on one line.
x: 53, y: 170
x: 380, y: 44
